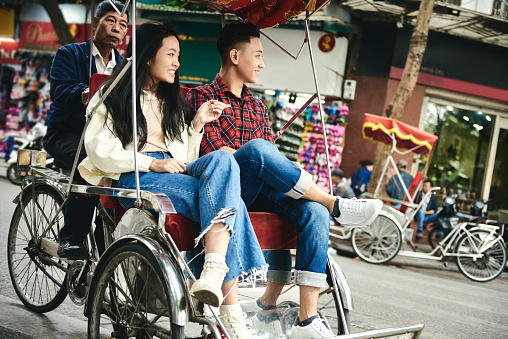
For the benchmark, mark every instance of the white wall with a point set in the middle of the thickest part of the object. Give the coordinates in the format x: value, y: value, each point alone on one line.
x: 284, y: 73
x: 72, y: 13
x: 483, y: 6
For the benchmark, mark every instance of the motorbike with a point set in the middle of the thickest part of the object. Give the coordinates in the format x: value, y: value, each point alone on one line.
x: 32, y: 141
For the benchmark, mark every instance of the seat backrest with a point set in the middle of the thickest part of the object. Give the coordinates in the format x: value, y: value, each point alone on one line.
x: 412, y: 189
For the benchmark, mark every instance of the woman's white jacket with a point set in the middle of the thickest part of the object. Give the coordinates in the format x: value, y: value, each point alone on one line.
x: 107, y: 158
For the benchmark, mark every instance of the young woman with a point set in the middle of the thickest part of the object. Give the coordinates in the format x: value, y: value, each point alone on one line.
x: 206, y: 190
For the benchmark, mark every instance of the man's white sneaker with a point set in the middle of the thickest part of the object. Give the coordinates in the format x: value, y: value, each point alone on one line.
x: 269, y: 324
x: 235, y: 323
x: 254, y: 306
x: 356, y: 212
x: 207, y: 288
x: 316, y: 329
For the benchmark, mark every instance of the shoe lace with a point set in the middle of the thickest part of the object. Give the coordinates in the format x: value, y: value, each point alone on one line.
x: 320, y: 326
x: 352, y: 206
x: 217, y: 267
x: 235, y: 324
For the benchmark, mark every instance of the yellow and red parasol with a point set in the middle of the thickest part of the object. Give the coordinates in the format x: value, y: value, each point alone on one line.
x: 407, y: 137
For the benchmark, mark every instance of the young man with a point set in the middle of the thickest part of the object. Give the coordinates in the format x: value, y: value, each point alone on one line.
x: 70, y: 94
x: 272, y: 183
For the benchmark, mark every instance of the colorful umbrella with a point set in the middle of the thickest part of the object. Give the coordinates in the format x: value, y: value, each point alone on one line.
x: 407, y: 137
x: 263, y: 13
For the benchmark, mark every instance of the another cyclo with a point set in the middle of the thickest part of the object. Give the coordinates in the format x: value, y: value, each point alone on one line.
x: 138, y: 287
x: 478, y: 248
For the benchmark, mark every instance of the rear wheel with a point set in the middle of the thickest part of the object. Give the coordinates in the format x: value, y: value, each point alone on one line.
x: 379, y: 242
x: 491, y: 262
x: 37, y: 277
x: 130, y: 299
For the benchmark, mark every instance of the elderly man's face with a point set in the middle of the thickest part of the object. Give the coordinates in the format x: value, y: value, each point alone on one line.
x: 111, y: 29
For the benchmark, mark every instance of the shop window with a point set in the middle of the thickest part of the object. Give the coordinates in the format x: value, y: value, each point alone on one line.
x: 460, y: 155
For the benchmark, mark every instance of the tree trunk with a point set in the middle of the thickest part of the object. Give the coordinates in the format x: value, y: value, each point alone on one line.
x: 407, y: 83
x: 57, y: 19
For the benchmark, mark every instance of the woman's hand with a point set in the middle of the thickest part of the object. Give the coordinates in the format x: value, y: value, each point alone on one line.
x: 209, y: 111
x: 168, y: 166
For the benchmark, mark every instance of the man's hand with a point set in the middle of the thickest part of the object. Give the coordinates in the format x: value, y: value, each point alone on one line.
x: 209, y: 111
x: 85, y: 96
x: 168, y: 166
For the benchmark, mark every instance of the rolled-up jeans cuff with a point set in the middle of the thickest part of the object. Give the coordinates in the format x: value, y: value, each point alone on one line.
x: 302, y: 185
x: 282, y: 277
x: 312, y: 279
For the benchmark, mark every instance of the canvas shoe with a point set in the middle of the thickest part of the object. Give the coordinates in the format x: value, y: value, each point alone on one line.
x: 316, y: 329
x: 254, y: 306
x: 207, y: 288
x: 269, y: 325
x: 356, y: 212
x: 235, y: 323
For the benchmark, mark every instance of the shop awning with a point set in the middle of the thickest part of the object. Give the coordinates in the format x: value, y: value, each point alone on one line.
x: 407, y: 137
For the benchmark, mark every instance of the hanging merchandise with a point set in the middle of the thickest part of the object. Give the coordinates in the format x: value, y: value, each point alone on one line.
x: 311, y: 153
x: 289, y: 142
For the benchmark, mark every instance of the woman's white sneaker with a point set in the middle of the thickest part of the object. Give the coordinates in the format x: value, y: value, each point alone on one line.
x: 235, y: 323
x: 356, y: 212
x: 207, y: 288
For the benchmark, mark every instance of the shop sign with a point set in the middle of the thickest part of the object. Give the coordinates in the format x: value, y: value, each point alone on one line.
x: 7, y: 51
x: 326, y: 43
x: 40, y: 36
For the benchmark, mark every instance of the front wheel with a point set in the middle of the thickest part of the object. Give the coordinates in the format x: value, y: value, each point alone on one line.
x: 37, y: 277
x: 435, y: 237
x: 491, y: 262
x: 130, y: 299
x: 379, y: 242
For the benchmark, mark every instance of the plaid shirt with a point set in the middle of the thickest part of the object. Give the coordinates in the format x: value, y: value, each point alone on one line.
x: 247, y: 118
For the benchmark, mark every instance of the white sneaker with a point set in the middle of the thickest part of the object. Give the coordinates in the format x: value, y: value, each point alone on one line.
x: 207, y: 289
x: 357, y: 212
x: 268, y: 325
x: 316, y: 329
x: 254, y: 306
x: 235, y: 323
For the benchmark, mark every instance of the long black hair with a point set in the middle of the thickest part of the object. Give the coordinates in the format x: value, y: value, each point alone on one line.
x: 174, y: 108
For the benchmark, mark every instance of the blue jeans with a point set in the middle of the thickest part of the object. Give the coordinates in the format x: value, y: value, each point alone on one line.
x: 421, y: 217
x: 272, y: 183
x: 211, y: 184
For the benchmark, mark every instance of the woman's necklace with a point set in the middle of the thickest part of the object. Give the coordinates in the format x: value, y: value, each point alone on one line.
x: 151, y: 99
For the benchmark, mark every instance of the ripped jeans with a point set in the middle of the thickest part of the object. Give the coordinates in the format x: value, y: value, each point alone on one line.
x: 211, y: 184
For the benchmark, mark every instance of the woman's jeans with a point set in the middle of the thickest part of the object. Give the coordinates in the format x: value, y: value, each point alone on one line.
x: 272, y: 183
x: 211, y: 185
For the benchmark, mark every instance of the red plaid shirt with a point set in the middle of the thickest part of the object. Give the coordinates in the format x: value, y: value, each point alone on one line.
x: 247, y: 118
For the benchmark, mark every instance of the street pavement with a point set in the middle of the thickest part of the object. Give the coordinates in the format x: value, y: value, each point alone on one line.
x: 407, y: 291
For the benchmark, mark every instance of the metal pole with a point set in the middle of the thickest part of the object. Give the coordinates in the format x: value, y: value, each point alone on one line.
x: 92, y: 16
x: 307, y: 33
x: 138, y: 202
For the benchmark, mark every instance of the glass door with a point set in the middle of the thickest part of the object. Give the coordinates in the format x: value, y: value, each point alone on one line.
x: 498, y: 162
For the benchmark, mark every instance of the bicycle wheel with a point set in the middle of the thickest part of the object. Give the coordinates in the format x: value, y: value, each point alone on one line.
x: 130, y: 300
x: 12, y: 174
x: 492, y: 261
x: 379, y: 242
x: 37, y: 277
x: 435, y: 237
x: 330, y: 305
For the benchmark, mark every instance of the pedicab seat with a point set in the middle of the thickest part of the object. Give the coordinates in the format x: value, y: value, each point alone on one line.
x: 272, y: 231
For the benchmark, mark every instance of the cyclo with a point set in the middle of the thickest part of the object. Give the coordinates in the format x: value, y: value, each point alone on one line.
x: 479, y: 248
x: 138, y: 286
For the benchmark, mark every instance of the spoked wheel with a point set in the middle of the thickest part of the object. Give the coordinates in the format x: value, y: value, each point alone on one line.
x: 379, y: 242
x: 37, y: 277
x: 491, y: 262
x: 435, y: 236
x: 130, y: 300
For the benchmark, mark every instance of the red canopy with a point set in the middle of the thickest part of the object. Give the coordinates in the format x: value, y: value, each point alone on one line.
x: 378, y: 128
x: 263, y: 13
